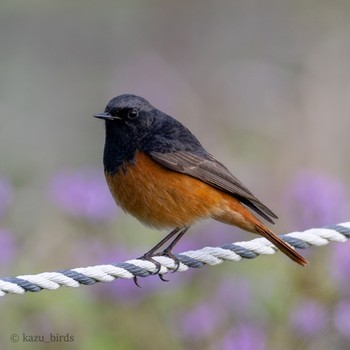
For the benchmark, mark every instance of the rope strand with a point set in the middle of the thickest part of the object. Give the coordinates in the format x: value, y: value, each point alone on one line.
x: 190, y: 259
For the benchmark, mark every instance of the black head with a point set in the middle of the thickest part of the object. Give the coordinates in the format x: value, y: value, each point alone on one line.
x: 126, y: 109
x: 133, y: 124
x: 128, y: 120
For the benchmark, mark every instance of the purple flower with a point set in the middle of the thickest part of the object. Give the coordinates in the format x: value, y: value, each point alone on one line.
x: 83, y: 194
x: 200, y: 322
x: 341, y: 318
x: 244, y: 337
x: 309, y: 318
x: 7, y: 246
x: 340, y: 266
x: 5, y: 196
x: 234, y: 295
x: 315, y: 200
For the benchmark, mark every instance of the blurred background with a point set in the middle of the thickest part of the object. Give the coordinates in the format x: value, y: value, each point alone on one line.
x: 265, y: 86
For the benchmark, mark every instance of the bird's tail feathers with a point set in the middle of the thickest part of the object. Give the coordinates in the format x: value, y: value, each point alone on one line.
x: 280, y: 244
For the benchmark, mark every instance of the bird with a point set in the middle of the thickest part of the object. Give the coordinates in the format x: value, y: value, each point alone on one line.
x: 159, y: 172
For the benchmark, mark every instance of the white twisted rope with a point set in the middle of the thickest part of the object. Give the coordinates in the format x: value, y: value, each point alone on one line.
x: 193, y: 258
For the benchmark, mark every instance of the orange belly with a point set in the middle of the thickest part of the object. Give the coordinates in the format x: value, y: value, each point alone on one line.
x: 162, y: 198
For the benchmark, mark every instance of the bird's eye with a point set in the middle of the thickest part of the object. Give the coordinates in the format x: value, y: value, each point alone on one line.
x: 133, y: 113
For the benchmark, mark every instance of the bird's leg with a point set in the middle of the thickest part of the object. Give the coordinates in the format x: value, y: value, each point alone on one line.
x: 151, y: 253
x: 167, y: 251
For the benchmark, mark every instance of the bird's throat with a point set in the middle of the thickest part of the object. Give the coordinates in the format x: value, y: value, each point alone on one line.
x: 119, y: 148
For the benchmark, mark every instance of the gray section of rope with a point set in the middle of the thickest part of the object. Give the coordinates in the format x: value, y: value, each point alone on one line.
x: 341, y: 229
x: 26, y: 285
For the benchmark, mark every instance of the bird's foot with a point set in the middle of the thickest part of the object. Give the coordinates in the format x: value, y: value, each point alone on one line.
x: 149, y: 257
x: 167, y: 252
x: 178, y: 233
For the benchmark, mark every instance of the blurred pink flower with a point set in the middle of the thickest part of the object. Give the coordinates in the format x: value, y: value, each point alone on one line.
x: 200, y: 322
x: 315, y: 199
x: 309, y: 318
x: 83, y: 194
x: 7, y: 246
x: 244, y: 337
x: 341, y: 318
x: 234, y: 296
x: 340, y: 266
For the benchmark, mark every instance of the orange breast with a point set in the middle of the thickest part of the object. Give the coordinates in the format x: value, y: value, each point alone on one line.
x: 162, y: 198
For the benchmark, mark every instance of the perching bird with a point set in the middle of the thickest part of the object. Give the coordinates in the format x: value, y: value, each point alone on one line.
x: 158, y: 171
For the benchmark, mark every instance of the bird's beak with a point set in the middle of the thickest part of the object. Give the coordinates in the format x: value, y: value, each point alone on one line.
x: 105, y: 116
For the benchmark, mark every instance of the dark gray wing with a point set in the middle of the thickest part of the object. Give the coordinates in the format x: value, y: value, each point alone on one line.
x: 209, y: 170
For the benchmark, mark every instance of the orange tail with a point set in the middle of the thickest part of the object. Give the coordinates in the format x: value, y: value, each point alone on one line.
x: 239, y: 215
x: 281, y: 245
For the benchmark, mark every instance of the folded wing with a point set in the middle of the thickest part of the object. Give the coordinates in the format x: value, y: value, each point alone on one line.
x: 209, y: 170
